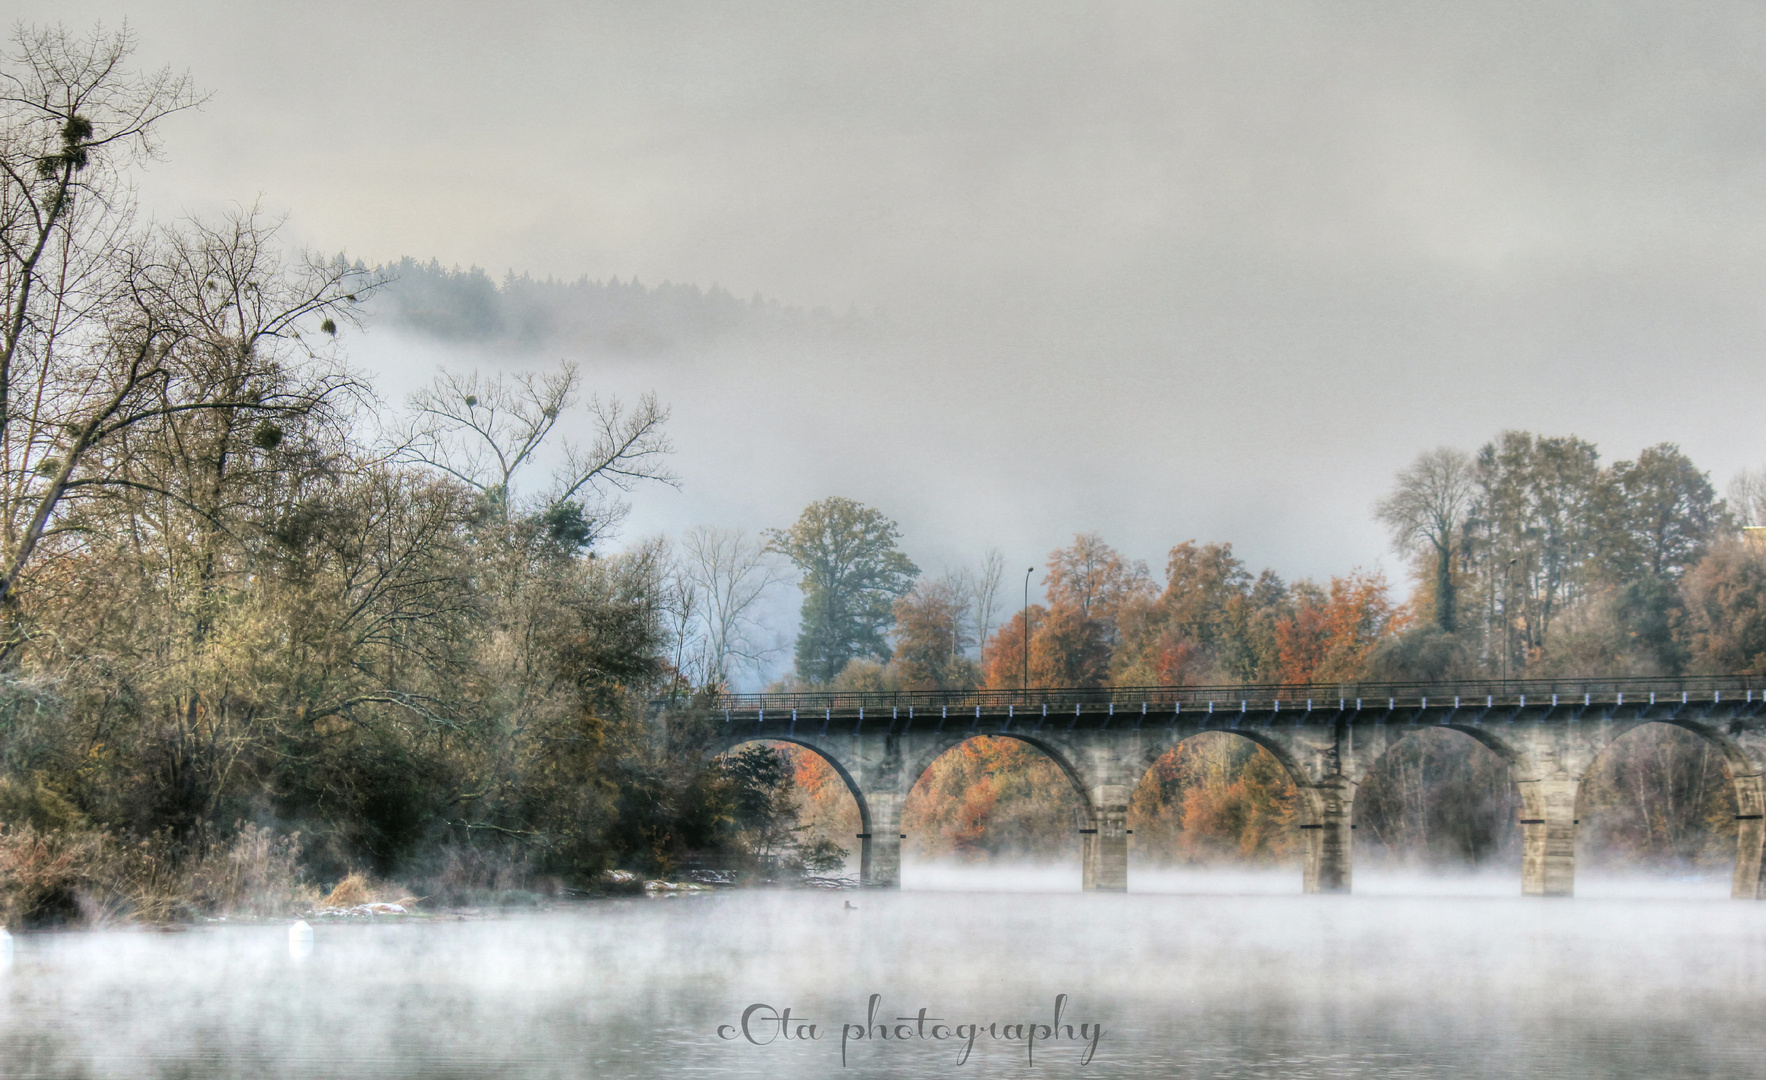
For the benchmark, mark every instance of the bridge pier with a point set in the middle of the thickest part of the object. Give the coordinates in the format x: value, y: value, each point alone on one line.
x: 1750, y: 836
x: 879, y: 852
x: 1750, y: 840
x: 1106, y: 841
x: 1548, y: 768
x: 1548, y: 836
x: 1326, y: 819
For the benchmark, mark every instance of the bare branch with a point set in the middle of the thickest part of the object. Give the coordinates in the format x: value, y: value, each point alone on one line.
x: 485, y: 431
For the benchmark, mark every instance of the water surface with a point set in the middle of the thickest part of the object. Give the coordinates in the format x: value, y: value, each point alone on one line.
x: 1464, y: 982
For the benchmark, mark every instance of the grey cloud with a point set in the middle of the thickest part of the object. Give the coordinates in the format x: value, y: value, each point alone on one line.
x: 1162, y: 270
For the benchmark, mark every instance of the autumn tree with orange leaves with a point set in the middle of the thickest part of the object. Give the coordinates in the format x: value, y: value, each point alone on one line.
x: 932, y: 638
x: 992, y: 798
x: 1073, y: 640
x: 1216, y: 797
x: 1214, y: 623
x: 1332, y: 632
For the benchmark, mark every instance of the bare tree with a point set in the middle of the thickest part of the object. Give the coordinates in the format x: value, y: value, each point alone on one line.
x: 986, y: 590
x: 1747, y: 497
x: 216, y: 312
x: 973, y: 593
x: 72, y: 118
x: 1425, y: 512
x: 730, y: 573
x: 73, y: 362
x: 196, y: 328
x: 485, y: 430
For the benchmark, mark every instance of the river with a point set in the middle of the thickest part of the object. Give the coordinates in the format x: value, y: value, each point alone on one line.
x: 1210, y: 977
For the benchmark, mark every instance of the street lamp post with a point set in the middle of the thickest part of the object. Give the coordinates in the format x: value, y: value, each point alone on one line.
x: 1027, y: 574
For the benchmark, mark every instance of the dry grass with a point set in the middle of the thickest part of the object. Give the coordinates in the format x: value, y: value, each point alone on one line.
x: 73, y: 876
x: 359, y: 888
x: 46, y: 878
x: 349, y: 892
x: 257, y: 874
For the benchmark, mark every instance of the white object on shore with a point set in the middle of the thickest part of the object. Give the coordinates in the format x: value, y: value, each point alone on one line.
x: 5, y: 948
x: 300, y: 940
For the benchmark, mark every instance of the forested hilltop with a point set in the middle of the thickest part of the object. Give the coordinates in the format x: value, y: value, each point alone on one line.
x: 612, y: 316
x: 263, y: 637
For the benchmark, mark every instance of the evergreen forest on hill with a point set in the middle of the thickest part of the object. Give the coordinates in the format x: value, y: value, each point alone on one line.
x: 614, y: 317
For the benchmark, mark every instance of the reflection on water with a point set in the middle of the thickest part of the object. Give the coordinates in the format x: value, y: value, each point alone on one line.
x: 1286, y: 881
x: 1468, y: 982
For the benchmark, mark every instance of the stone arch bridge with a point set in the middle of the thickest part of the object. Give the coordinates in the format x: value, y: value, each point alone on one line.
x: 1327, y: 737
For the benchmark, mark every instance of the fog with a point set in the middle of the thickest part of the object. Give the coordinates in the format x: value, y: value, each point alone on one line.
x: 1165, y: 271
x: 1235, y: 985
x: 1391, y: 880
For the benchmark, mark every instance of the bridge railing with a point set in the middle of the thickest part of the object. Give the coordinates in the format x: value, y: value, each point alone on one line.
x: 1321, y: 695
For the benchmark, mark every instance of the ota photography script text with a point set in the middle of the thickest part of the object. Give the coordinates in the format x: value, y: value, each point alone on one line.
x: 763, y: 1024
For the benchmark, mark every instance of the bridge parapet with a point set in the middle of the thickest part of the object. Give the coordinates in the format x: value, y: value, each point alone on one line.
x: 1251, y: 698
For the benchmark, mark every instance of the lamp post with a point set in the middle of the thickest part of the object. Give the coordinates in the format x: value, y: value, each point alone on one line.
x: 1027, y: 574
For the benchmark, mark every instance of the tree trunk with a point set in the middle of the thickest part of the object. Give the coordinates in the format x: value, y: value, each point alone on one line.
x: 1445, y: 615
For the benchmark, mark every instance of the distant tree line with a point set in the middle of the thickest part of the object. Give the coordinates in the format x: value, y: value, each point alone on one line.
x: 611, y: 316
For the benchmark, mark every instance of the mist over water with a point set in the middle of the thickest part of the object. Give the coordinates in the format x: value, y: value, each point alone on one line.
x: 1384, y: 881
x: 1190, y: 974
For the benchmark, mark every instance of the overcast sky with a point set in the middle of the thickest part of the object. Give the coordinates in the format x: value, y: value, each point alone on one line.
x: 1166, y: 271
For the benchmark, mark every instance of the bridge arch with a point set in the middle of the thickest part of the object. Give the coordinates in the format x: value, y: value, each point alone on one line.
x: 1744, y: 771
x: 928, y: 796
x: 728, y: 743
x: 1394, y: 735
x: 1376, y: 768
x: 1152, y: 755
x: 1745, y: 788
x: 933, y: 749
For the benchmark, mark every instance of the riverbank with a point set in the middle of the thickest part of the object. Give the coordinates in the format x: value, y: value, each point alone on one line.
x: 53, y: 878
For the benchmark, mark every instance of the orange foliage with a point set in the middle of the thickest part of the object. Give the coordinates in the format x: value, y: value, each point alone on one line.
x: 814, y: 776
x: 992, y: 796
x: 967, y: 831
x: 1089, y: 586
x: 1215, y: 622
x: 827, y: 810
x: 1330, y: 635
x: 1215, y: 797
x: 1070, y: 648
x: 1002, y: 659
x: 929, y: 639
x: 1067, y: 648
x: 1182, y: 663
